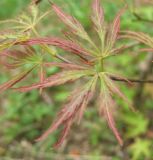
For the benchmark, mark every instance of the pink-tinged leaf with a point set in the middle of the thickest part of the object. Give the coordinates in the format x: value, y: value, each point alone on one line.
x: 71, y: 22
x: 53, y: 127
x: 74, y: 25
x: 139, y: 36
x: 16, y: 58
x: 106, y: 106
x: 98, y: 15
x: 114, y: 30
x: 64, y: 134
x: 57, y: 79
x: 112, y: 126
x: 120, y: 49
x: 85, y: 102
x: 59, y: 42
x: 42, y: 77
x: 69, y: 112
x: 114, y: 89
x: 14, y: 55
x: 91, y: 89
x: 4, y: 62
x: 98, y: 21
x: 15, y: 80
x: 65, y: 65
x: 116, y: 24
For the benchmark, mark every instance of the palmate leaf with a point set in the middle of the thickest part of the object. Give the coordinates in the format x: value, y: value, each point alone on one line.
x: 26, y: 21
x: 57, y: 79
x: 77, y: 103
x: 90, y: 66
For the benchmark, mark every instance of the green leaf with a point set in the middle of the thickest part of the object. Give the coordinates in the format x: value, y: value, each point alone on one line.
x: 137, y: 124
x: 140, y: 149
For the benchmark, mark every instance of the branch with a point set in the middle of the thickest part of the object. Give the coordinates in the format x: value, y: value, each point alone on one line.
x: 131, y: 80
x: 144, y: 74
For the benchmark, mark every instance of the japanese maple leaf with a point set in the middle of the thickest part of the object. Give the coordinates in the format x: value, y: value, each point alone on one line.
x: 90, y: 67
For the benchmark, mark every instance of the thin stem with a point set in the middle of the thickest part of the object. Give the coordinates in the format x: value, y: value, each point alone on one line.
x: 132, y: 80
x: 99, y: 66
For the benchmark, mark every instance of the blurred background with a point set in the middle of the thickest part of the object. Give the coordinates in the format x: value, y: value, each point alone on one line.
x: 24, y: 116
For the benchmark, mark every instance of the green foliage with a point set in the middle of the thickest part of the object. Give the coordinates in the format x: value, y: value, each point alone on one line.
x: 13, y: 7
x: 140, y: 149
x: 137, y: 124
x: 24, y: 116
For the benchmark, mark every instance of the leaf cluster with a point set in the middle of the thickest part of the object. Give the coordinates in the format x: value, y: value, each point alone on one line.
x: 89, y: 65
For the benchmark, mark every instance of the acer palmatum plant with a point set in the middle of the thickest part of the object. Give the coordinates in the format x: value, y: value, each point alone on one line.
x: 89, y: 65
